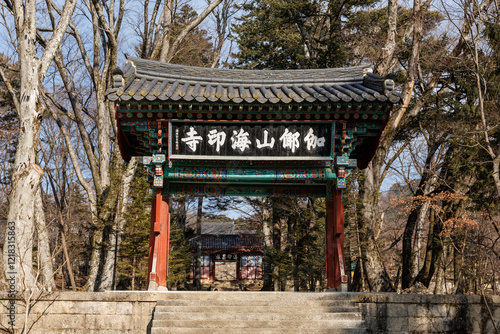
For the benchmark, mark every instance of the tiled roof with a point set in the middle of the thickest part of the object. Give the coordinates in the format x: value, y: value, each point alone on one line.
x: 218, y: 228
x: 229, y: 242
x: 152, y: 80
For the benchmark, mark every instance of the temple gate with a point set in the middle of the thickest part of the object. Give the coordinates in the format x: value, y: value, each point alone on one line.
x: 220, y: 132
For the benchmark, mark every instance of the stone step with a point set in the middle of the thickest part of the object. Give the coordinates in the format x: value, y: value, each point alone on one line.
x: 281, y: 324
x: 255, y: 295
x: 254, y: 309
x: 179, y: 330
x: 237, y: 302
x: 256, y: 316
x: 214, y: 312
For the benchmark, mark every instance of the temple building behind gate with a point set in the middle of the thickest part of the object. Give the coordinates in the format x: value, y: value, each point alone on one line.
x: 231, y: 259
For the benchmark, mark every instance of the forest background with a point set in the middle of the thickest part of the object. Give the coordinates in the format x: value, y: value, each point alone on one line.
x: 423, y: 214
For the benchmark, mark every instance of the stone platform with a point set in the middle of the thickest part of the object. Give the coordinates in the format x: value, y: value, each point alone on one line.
x: 136, y: 312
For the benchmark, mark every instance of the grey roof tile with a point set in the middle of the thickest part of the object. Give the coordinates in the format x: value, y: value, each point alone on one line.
x: 172, y: 89
x: 150, y: 80
x: 161, y: 88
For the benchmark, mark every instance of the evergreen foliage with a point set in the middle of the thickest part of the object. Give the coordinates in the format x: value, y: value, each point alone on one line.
x: 133, y: 258
x: 196, y: 49
x: 274, y: 34
x: 297, y: 255
x: 180, y: 255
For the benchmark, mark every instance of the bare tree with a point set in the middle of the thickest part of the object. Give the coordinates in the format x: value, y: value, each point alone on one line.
x: 108, y: 189
x: 158, y: 41
x: 222, y: 16
x: 27, y: 174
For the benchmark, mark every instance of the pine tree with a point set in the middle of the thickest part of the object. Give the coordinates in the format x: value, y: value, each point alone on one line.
x: 133, y: 258
x: 180, y: 257
x: 306, y: 34
x: 195, y: 50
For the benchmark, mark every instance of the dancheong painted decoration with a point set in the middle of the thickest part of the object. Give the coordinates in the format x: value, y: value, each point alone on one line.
x: 215, y: 132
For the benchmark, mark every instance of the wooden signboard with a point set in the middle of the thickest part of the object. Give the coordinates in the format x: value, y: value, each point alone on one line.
x: 242, y: 140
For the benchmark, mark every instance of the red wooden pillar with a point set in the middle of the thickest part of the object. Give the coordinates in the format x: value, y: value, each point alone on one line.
x: 334, y: 239
x: 212, y: 267
x: 159, y: 242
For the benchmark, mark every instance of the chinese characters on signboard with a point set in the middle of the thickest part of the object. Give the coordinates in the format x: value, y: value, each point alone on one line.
x: 270, y: 140
x: 226, y: 257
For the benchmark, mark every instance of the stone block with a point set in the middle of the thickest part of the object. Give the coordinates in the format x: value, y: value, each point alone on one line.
x: 397, y: 324
x: 397, y: 310
x: 111, y: 322
x: 58, y: 322
x: 147, y: 308
x: 439, y: 310
x: 93, y: 307
x: 444, y: 299
x: 474, y: 311
x: 489, y: 328
x: 418, y: 310
x: 443, y: 325
x: 405, y: 298
x: 54, y: 306
x: 364, y: 297
x: 124, y: 308
x: 371, y: 323
x: 18, y: 320
x: 494, y: 299
x: 368, y: 309
x: 384, y: 297
x: 418, y: 324
x: 473, y: 299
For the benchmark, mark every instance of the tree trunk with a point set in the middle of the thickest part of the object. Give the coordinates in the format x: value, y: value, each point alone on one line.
x: 197, y: 275
x: 95, y: 259
x: 45, y: 259
x: 133, y: 273
x: 104, y: 139
x: 26, y: 181
x: 100, y: 271
x: 419, y: 235
x: 376, y: 276
x: 182, y: 213
x: 67, y: 259
x: 268, y: 268
x: 434, y: 250
x: 293, y: 236
x: 109, y: 265
x: 26, y: 174
x: 440, y: 287
x: 387, y: 60
x: 110, y: 262
x: 412, y: 240
x: 276, y: 244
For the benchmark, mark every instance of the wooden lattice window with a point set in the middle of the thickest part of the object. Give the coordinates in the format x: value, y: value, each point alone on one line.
x: 251, y: 267
x: 204, y: 267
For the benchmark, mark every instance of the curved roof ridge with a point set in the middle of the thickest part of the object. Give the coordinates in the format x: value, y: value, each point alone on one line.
x: 158, y: 81
x: 156, y: 69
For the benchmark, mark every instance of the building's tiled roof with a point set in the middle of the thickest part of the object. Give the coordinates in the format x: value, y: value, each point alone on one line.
x: 217, y: 228
x: 152, y: 80
x: 229, y: 242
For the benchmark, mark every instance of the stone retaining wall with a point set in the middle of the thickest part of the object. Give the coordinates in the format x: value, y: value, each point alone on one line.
x: 393, y: 313
x: 85, y: 312
x: 131, y: 312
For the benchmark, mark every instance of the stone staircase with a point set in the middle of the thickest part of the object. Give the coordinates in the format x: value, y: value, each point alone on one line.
x: 256, y: 312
